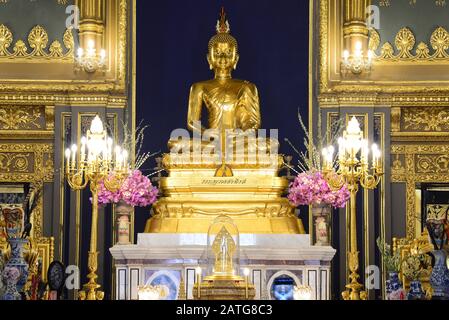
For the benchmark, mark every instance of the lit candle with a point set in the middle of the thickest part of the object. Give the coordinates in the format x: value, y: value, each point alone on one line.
x: 358, y: 49
x: 102, y: 55
x: 125, y: 159
x: 246, y: 273
x: 198, y: 280
x: 324, y: 154
x: 364, y: 151
x: 91, y: 48
x: 375, y: 154
x: 67, y: 155
x: 330, y: 155
x: 117, y: 157
x: 109, y: 149
x: 83, y: 149
x: 346, y: 55
x: 370, y: 56
x: 80, y: 52
x: 74, y: 148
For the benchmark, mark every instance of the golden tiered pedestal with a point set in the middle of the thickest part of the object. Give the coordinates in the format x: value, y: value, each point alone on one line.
x: 252, y: 197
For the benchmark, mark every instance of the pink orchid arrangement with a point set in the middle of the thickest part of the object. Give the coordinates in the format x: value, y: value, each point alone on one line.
x: 136, y: 191
x: 311, y: 188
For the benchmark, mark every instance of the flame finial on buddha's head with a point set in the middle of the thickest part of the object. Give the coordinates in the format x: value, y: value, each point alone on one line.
x: 223, y: 32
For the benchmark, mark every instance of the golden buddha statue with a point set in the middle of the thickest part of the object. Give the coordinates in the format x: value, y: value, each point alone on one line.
x: 242, y: 182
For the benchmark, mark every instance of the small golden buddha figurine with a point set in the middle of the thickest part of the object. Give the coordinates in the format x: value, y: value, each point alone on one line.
x: 223, y: 248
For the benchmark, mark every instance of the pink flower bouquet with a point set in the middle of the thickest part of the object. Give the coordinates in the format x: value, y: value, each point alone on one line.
x: 136, y: 191
x: 312, y: 188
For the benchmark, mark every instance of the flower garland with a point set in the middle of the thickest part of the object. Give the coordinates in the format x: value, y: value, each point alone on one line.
x: 312, y: 188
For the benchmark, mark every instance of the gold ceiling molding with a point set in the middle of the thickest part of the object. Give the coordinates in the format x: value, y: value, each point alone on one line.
x: 413, y: 164
x: 53, y: 99
x: 359, y: 97
x: 405, y: 42
x: 38, y: 42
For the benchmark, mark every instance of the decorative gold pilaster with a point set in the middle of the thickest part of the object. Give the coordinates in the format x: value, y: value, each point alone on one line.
x: 92, y: 14
x: 395, y: 119
x: 355, y: 28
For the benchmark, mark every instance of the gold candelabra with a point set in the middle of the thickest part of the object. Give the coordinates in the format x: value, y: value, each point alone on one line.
x: 89, y: 60
x: 93, y: 163
x: 356, y: 61
x: 352, y: 170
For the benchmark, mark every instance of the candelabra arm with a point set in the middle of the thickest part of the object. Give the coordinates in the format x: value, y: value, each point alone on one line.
x: 77, y: 180
x: 336, y: 181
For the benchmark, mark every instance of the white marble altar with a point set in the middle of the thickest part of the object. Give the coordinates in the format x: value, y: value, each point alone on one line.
x: 165, y: 258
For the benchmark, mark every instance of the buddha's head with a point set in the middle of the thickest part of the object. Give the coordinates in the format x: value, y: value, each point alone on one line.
x: 223, y: 50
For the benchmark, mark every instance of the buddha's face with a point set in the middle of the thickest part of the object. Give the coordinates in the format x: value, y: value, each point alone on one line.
x: 223, y: 56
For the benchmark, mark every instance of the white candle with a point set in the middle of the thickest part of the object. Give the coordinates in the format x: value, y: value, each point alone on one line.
x: 364, y: 150
x: 74, y: 149
x: 83, y: 149
x: 67, y: 155
x: 125, y: 159
x: 375, y: 154
x: 117, y: 157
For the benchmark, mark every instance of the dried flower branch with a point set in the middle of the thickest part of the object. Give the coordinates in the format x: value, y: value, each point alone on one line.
x: 310, y: 160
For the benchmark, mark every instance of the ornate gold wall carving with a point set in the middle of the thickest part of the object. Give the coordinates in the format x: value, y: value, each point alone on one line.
x: 418, y: 163
x: 405, y: 42
x: 38, y: 42
x: 28, y: 162
x: 426, y: 119
x: 390, y: 83
x: 61, y: 85
x: 21, y: 117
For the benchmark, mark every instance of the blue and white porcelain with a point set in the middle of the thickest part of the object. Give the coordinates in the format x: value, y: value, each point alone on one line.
x: 416, y: 292
x: 439, y: 280
x: 17, y: 261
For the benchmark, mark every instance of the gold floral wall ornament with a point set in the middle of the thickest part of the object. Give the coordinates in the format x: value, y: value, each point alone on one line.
x: 17, y: 118
x: 15, y: 162
x: 405, y: 42
x: 38, y: 42
x: 431, y: 119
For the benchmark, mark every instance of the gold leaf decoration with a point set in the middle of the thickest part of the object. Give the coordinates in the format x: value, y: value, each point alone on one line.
x: 38, y: 42
x: 422, y: 51
x: 405, y: 42
x: 15, y: 118
x: 440, y: 43
x: 431, y: 119
x: 56, y: 49
x: 5, y: 40
x: 387, y: 51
